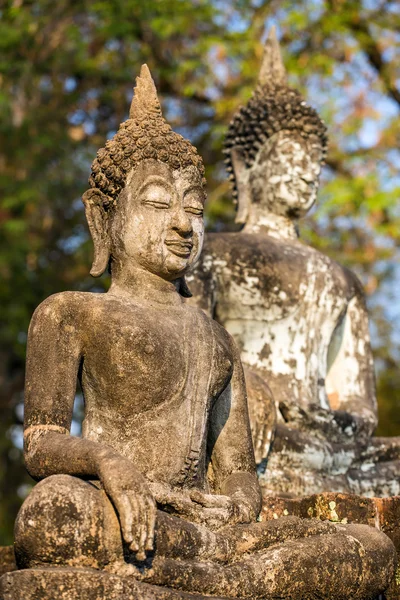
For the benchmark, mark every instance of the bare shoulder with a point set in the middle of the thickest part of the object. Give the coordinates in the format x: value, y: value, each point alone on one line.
x: 216, y: 245
x: 220, y: 244
x: 349, y: 280
x: 355, y: 286
x: 219, y: 332
x: 222, y: 333
x: 65, y: 308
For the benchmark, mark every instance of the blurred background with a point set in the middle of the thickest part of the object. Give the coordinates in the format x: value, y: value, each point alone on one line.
x: 67, y: 70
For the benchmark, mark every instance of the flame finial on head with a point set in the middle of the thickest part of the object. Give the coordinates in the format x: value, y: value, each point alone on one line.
x: 145, y: 100
x: 273, y: 107
x: 272, y: 68
x: 145, y: 135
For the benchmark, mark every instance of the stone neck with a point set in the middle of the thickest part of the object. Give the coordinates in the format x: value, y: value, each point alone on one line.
x: 278, y: 226
x: 138, y: 284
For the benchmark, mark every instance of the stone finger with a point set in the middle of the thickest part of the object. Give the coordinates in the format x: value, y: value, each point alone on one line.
x: 144, y: 516
x: 151, y: 523
x: 135, y: 534
x: 124, y: 510
x: 197, y: 497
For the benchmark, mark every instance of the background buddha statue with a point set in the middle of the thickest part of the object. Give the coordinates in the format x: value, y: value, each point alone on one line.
x: 298, y: 317
x: 161, y: 489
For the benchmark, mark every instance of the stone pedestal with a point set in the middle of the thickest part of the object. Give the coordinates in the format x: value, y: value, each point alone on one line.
x: 382, y: 513
x: 78, y: 584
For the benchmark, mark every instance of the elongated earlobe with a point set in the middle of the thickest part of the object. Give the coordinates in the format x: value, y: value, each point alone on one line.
x: 98, y: 221
x: 183, y: 288
x: 242, y: 185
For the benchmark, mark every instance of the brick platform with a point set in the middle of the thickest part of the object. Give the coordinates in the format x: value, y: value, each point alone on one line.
x: 383, y: 513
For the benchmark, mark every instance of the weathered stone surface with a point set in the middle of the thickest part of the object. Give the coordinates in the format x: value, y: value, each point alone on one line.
x: 262, y: 413
x: 162, y: 485
x: 7, y: 559
x: 298, y: 317
x: 388, y: 512
x: 81, y: 584
x: 334, y: 507
x: 393, y: 591
x: 382, y: 513
x: 341, y: 565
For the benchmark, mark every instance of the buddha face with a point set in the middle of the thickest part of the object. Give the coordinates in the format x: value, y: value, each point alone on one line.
x: 159, y: 227
x: 285, y: 176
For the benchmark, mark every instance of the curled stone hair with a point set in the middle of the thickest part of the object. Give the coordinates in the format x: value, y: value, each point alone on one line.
x: 144, y: 135
x: 272, y: 108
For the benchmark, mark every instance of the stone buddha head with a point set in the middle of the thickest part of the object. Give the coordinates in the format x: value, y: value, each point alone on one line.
x: 145, y: 203
x: 275, y: 145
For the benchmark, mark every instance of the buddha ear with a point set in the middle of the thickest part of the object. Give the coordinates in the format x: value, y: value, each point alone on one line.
x: 183, y: 288
x: 98, y: 220
x: 241, y: 173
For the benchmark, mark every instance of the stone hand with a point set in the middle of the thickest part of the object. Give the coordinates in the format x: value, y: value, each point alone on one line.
x: 339, y: 424
x: 208, y: 509
x: 131, y: 496
x: 355, y: 425
x: 262, y: 437
x: 176, y: 501
x: 314, y: 417
x: 231, y: 509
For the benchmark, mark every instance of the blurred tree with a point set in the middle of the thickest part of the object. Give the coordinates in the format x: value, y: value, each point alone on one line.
x: 66, y: 75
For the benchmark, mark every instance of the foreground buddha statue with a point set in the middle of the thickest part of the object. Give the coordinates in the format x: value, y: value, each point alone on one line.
x: 298, y: 317
x: 159, y: 498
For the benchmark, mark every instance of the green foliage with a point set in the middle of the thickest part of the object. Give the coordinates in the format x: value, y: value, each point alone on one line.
x: 66, y: 73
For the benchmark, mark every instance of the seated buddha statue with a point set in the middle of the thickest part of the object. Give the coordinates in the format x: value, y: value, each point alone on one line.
x: 160, y: 492
x: 298, y: 317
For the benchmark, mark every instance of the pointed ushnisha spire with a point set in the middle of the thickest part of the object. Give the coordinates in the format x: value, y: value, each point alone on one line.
x: 272, y: 70
x: 145, y: 100
x: 273, y: 107
x: 145, y: 135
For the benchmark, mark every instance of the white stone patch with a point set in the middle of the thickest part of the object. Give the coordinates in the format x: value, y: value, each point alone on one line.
x: 207, y: 262
x: 345, y: 378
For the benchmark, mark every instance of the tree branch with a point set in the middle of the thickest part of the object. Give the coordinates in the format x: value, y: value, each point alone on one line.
x: 361, y: 30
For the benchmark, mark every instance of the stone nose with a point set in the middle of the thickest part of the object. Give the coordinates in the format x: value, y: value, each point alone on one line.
x: 181, y: 223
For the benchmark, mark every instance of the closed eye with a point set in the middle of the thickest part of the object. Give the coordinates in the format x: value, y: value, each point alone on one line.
x: 156, y: 195
x: 194, y: 201
x: 156, y: 204
x: 194, y: 210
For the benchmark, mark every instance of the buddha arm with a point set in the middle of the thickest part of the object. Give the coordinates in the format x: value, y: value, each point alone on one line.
x: 53, y: 359
x: 55, y: 348
x: 230, y: 443
x: 350, y: 382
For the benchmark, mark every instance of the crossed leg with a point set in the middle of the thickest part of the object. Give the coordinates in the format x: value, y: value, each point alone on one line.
x: 69, y: 522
